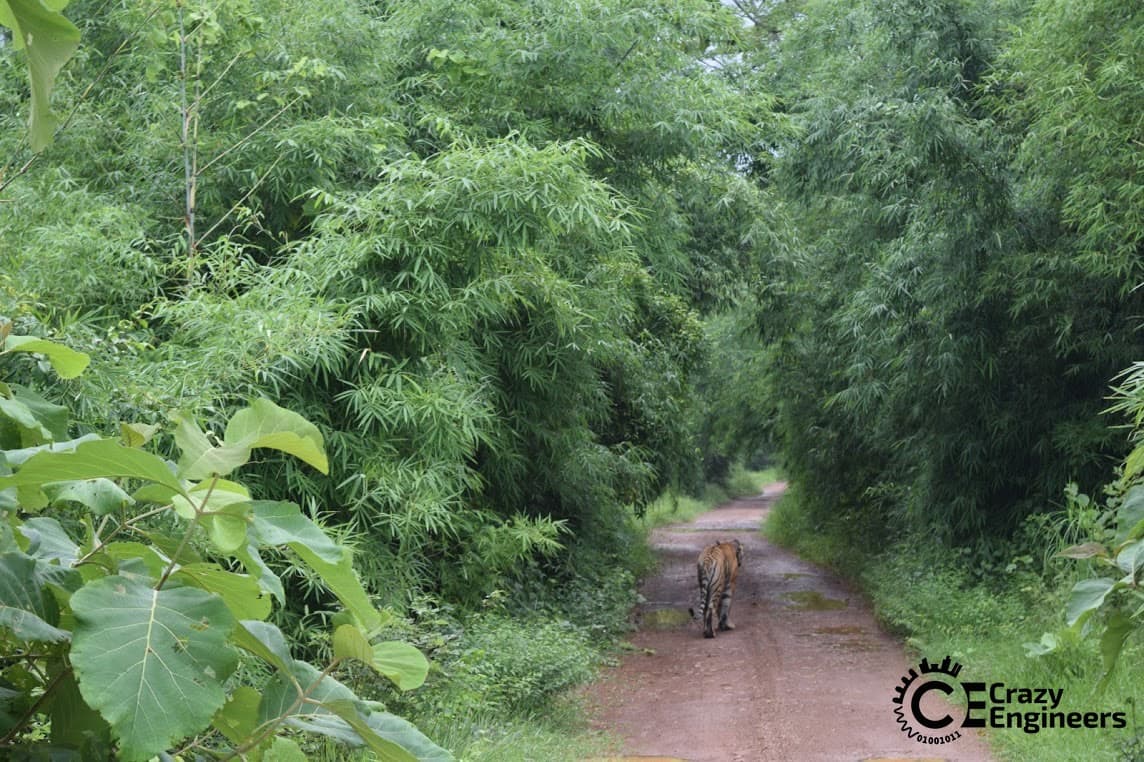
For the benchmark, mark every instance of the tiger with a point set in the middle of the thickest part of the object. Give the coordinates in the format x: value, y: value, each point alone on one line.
x: 718, y: 568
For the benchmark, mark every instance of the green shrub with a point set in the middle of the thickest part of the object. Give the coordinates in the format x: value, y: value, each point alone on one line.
x: 516, y: 664
x: 918, y: 587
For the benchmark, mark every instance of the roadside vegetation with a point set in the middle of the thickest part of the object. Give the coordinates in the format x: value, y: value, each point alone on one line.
x: 527, y: 278
x: 954, y: 353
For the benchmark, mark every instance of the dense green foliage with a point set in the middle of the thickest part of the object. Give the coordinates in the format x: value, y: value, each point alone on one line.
x: 530, y: 265
x: 963, y: 298
x: 963, y: 288
x: 129, y: 631
x: 464, y: 239
x: 468, y: 241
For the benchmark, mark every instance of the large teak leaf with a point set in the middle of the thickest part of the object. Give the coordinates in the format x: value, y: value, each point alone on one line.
x: 23, y: 607
x: 263, y: 424
x: 50, y: 40
x: 152, y: 662
x: 1087, y: 596
x: 276, y: 523
x: 96, y: 459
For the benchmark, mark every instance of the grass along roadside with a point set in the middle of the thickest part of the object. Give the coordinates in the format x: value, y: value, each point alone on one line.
x: 942, y: 604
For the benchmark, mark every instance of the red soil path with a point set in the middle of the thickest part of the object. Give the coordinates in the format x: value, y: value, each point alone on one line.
x: 806, y: 676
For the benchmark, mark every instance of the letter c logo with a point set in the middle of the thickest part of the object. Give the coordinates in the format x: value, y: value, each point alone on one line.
x: 916, y: 705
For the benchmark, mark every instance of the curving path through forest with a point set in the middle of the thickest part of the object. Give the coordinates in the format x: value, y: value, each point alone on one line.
x: 806, y: 676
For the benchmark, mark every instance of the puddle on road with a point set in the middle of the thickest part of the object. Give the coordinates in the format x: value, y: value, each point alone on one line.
x: 795, y: 575
x: 844, y: 630
x: 812, y: 600
x: 850, y: 638
x: 664, y: 619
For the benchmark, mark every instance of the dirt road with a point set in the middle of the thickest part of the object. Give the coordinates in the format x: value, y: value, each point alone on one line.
x: 806, y: 676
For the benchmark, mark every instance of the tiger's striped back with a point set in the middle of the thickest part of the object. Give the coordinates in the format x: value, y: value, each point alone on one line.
x: 718, y: 568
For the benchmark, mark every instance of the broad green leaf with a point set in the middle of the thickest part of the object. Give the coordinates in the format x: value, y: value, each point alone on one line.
x: 1111, y: 644
x: 238, y: 717
x: 1130, y: 559
x: 240, y: 592
x: 1130, y: 515
x: 1048, y: 643
x: 100, y: 496
x: 281, y: 523
x: 153, y: 662
x: 265, y: 641
x: 48, y: 541
x: 350, y: 643
x: 100, y: 458
x: 1133, y: 463
x: 67, y: 362
x: 211, y: 496
x: 343, y: 582
x: 275, y: 523
x: 36, y: 420
x: 200, y: 459
x: 1087, y: 596
x: 267, y: 579
x: 295, y: 695
x: 283, y: 750
x: 92, y: 459
x: 155, y: 562
x: 265, y: 424
x: 26, y: 429
x: 74, y: 723
x: 407, y: 736
x: 154, y: 493
x: 332, y: 709
x: 137, y: 434
x: 222, y: 507
x: 402, y: 663
x: 172, y: 546
x: 51, y: 416
x: 383, y: 748
x: 21, y: 456
x: 23, y: 606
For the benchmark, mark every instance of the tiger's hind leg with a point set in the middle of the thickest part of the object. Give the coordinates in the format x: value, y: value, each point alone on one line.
x: 709, y: 619
x: 725, y: 612
x: 710, y: 613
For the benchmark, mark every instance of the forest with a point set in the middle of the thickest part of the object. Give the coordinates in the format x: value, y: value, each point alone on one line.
x: 355, y: 344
